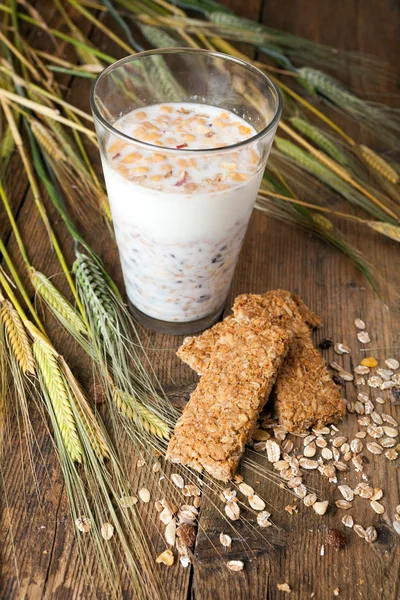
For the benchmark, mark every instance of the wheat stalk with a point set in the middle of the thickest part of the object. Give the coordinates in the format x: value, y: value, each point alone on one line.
x: 17, y: 337
x: 56, y: 301
x: 49, y: 369
x: 379, y: 164
x: 135, y: 410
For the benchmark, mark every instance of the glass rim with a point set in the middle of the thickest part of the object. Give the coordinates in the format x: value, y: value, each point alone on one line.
x: 159, y: 51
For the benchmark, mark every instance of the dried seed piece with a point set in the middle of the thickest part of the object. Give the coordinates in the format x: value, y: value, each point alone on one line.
x: 392, y: 363
x: 336, y: 539
x: 390, y: 431
x: 343, y: 504
x: 83, y: 524
x: 321, y: 507
x: 247, y: 490
x: 361, y: 370
x: 360, y: 530
x: 144, y: 495
x: 107, y: 531
x: 225, y: 540
x: 170, y: 532
x: 235, y: 565
x: 371, y: 535
x: 370, y: 362
x: 263, y: 519
x: 348, y: 521
x: 377, y: 507
x: 177, y: 480
x: 166, y: 557
x: 127, y: 501
x: 310, y: 499
x: 346, y: 492
x: 342, y: 349
x: 363, y: 337
x: 359, y: 323
x: 232, y: 511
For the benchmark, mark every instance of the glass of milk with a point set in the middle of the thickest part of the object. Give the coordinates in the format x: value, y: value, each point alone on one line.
x: 184, y: 137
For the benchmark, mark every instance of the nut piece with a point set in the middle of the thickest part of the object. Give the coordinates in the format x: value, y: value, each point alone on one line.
x: 235, y: 565
x: 225, y: 540
x: 321, y: 507
x: 166, y: 557
x: 336, y: 539
x: 107, y: 531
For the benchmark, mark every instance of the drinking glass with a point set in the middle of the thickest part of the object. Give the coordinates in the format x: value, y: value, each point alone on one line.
x: 179, y: 245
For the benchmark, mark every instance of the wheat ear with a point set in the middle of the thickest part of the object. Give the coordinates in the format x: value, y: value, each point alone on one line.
x: 320, y: 139
x: 17, y: 337
x: 57, y: 301
x: 47, y: 141
x: 49, y: 369
x: 135, y: 410
x: 387, y: 229
x: 379, y: 164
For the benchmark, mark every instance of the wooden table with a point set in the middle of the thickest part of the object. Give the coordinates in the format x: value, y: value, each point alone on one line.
x: 274, y: 256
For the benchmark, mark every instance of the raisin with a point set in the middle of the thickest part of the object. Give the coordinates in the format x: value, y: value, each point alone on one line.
x: 336, y: 539
x: 325, y: 344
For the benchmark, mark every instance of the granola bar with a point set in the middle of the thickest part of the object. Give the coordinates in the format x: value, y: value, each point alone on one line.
x: 304, y: 394
x: 223, y: 410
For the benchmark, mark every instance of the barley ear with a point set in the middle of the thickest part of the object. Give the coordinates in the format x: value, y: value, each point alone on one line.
x: 144, y: 417
x: 17, y: 337
x: 57, y: 392
x: 391, y: 231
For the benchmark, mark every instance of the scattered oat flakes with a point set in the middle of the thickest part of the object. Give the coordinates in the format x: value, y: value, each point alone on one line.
x: 310, y: 499
x: 322, y: 550
x: 177, y: 480
x: 263, y: 519
x: 380, y: 400
x: 346, y: 492
x: 342, y: 349
x: 292, y: 508
x: 374, y: 448
x: 144, y: 495
x: 321, y: 507
x: 377, y: 507
x: 391, y: 454
x: 348, y: 521
x: 363, y: 337
x: 384, y: 373
x: 310, y: 450
x: 344, y: 504
x: 390, y: 431
x: 107, y: 531
x: 170, y: 532
x: 336, y: 592
x: 371, y: 535
x: 247, y: 490
x: 374, y: 382
x: 232, y: 510
x: 83, y: 524
x: 360, y: 531
x: 392, y: 363
x: 359, y: 323
x: 396, y: 526
x: 127, y: 501
x: 327, y: 453
x: 225, y: 540
x: 273, y: 451
x: 235, y: 565
x: 362, y: 369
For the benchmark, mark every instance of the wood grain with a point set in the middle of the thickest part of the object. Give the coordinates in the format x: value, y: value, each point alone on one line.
x: 274, y: 255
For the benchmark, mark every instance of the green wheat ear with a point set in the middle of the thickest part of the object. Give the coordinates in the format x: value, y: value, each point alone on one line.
x: 320, y: 139
x: 57, y: 301
x: 135, y: 410
x: 57, y: 392
x: 96, y: 294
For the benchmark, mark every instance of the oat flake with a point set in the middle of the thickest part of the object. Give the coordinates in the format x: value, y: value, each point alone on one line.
x: 363, y: 337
